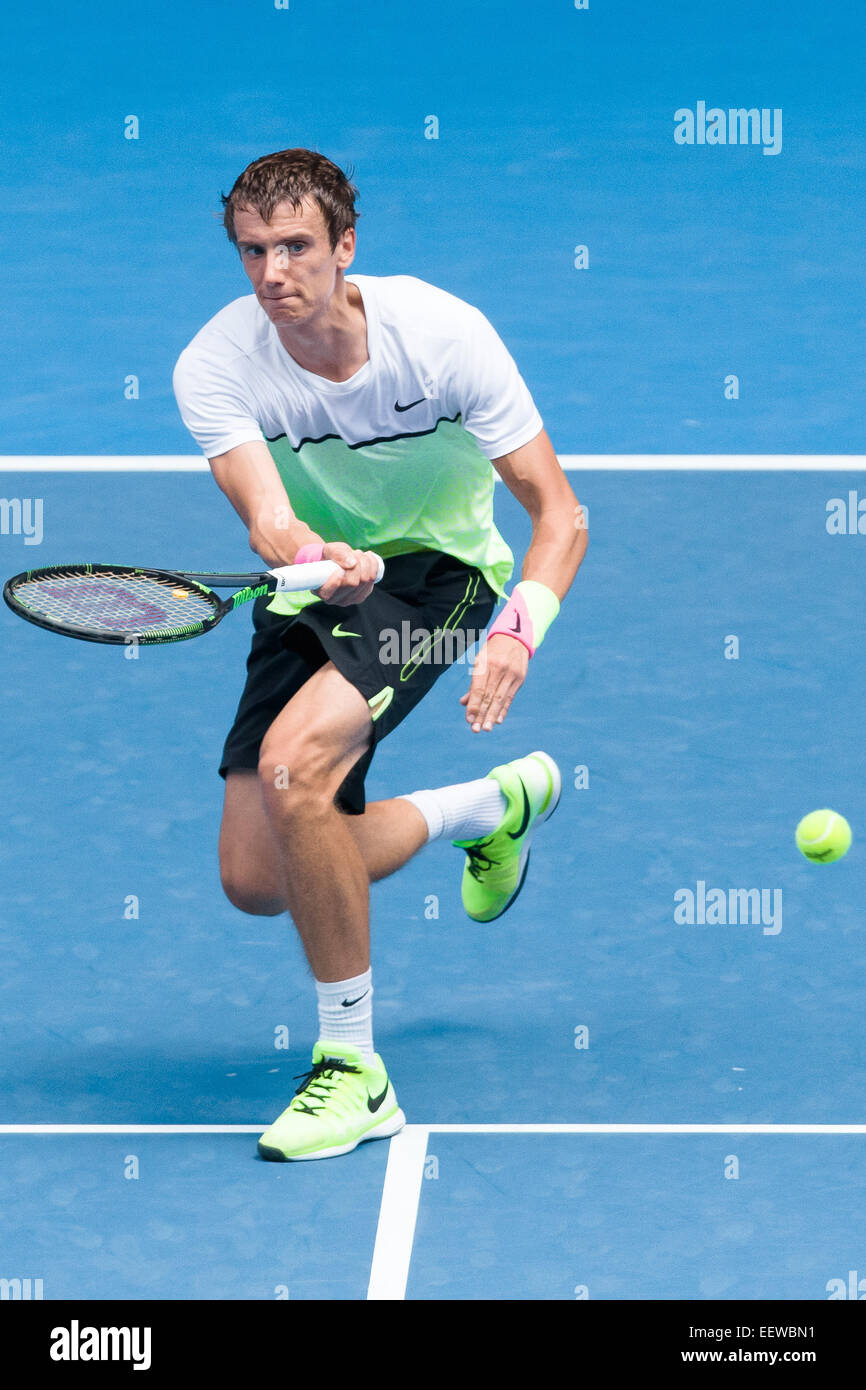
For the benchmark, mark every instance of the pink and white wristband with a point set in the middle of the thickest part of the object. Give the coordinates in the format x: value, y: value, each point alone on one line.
x: 527, y: 615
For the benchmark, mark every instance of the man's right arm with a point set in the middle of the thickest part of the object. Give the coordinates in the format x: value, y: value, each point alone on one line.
x: 249, y: 478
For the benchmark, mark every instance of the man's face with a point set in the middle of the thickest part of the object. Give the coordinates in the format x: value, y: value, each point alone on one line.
x: 289, y: 260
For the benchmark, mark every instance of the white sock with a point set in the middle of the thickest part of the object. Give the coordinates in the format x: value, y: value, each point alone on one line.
x: 346, y: 1012
x: 465, y: 811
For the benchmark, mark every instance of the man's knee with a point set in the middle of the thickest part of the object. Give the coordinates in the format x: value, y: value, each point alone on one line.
x: 291, y: 780
x: 248, y: 856
x: 250, y: 895
x: 300, y: 774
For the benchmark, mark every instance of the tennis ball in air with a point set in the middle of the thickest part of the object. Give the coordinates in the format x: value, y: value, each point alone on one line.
x: 823, y: 836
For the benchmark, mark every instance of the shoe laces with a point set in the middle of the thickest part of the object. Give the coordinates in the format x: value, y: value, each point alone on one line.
x: 479, y: 862
x: 319, y: 1082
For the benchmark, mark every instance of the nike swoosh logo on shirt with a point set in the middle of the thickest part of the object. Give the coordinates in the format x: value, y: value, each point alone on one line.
x: 401, y: 408
x: 516, y: 834
x: 373, y: 1102
x: 338, y: 632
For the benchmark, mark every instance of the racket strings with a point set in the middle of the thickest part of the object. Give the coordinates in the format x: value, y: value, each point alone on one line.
x: 114, y: 601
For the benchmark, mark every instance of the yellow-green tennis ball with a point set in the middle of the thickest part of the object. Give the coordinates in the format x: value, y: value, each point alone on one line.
x: 823, y: 836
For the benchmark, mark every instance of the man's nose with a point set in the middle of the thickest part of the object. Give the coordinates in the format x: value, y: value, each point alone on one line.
x: 276, y: 263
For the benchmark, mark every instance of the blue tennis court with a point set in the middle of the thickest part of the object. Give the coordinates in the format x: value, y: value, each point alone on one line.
x: 588, y: 1005
x: 605, y: 1101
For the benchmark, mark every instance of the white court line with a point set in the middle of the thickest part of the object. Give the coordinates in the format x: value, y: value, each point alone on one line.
x: 457, y: 1129
x: 401, y: 1193
x: 132, y: 1129
x: 103, y: 463
x: 722, y: 463
x: 401, y: 1197
x: 197, y: 463
x: 647, y: 1129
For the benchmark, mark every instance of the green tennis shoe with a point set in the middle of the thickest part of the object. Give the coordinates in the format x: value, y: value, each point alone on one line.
x: 496, y: 864
x: 341, y: 1103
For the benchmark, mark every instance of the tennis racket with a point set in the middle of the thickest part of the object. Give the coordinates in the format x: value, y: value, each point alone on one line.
x: 120, y: 605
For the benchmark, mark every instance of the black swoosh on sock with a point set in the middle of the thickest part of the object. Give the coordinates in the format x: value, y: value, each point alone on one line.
x: 347, y: 1003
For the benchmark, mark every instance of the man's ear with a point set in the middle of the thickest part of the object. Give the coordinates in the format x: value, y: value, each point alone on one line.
x: 346, y: 250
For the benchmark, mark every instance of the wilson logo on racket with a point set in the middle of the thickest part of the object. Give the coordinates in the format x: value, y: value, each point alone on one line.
x: 246, y: 594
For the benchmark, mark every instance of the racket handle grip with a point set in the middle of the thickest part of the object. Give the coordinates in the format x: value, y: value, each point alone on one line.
x: 293, y: 578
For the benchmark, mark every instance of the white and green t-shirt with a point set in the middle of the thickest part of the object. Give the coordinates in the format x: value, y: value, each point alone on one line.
x: 395, y: 459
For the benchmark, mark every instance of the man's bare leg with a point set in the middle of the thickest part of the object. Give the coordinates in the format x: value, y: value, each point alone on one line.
x: 306, y: 753
x: 388, y: 834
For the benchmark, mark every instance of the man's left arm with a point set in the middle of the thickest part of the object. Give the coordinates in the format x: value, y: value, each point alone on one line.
x: 559, y: 539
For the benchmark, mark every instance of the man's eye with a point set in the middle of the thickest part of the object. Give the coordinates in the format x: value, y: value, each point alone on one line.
x: 254, y: 252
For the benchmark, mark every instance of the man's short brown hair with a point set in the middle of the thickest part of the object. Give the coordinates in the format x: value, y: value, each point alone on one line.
x: 289, y: 176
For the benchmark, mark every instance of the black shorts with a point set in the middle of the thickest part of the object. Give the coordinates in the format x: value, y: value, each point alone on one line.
x: 427, y: 610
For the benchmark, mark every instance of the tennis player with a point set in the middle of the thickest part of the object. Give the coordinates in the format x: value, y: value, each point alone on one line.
x: 345, y: 418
